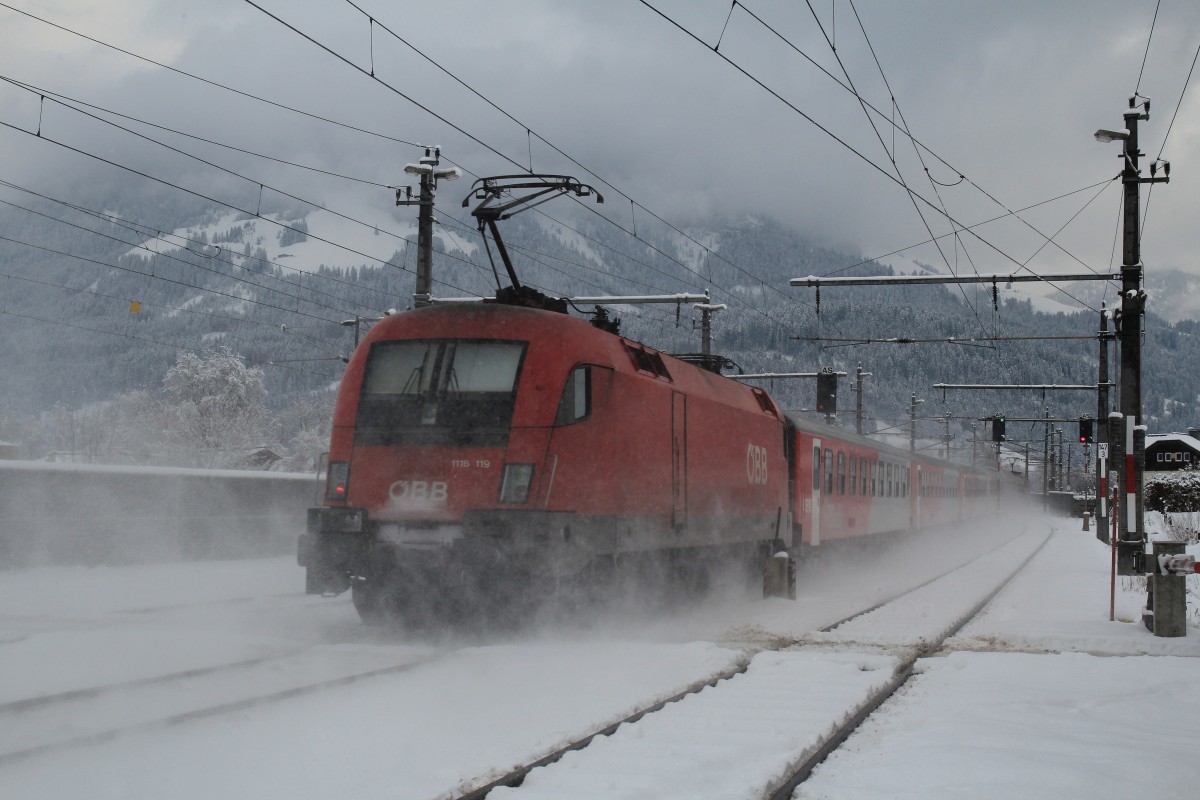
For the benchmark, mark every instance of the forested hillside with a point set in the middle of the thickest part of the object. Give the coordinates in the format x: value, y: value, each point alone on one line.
x: 97, y: 307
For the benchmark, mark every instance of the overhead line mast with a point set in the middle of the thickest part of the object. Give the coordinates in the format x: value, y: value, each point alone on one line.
x: 1128, y: 427
x: 429, y: 174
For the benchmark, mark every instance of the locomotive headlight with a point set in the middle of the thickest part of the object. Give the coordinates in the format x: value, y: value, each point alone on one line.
x: 514, y: 486
x: 337, y: 480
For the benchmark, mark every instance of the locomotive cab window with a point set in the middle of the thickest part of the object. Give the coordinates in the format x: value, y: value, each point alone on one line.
x: 439, y: 391
x: 576, y: 402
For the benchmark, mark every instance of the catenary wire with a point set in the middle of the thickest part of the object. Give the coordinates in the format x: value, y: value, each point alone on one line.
x: 153, y: 254
x: 1178, y: 105
x: 917, y: 142
x: 562, y: 153
x: 733, y: 297
x: 212, y: 83
x: 1145, y: 55
x: 143, y: 246
x: 976, y: 225
x: 156, y: 233
x: 168, y: 280
x: 835, y: 137
x: 892, y: 155
x: 227, y: 204
x: 251, y: 180
x: 66, y: 100
x: 148, y: 304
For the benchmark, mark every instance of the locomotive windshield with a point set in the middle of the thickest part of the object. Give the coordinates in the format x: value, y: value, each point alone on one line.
x: 439, y: 392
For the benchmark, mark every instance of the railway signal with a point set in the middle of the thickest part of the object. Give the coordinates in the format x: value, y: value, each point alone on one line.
x: 1085, y: 430
x: 827, y: 391
x: 998, y: 428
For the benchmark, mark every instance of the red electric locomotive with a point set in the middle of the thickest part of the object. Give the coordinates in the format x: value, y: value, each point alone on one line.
x: 489, y: 445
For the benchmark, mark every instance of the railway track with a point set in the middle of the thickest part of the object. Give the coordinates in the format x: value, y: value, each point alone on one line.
x: 832, y: 626
x: 38, y: 725
x: 798, y: 769
x: 903, y: 674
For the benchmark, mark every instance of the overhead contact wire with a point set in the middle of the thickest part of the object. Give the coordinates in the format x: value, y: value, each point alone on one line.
x: 837, y: 138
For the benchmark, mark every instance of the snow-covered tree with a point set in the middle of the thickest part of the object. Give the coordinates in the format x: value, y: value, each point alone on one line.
x: 215, y: 404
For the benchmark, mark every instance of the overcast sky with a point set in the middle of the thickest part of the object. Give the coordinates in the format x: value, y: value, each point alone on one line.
x: 1006, y: 93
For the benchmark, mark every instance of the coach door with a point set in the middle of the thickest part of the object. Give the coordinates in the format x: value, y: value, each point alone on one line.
x: 679, y: 458
x: 814, y: 537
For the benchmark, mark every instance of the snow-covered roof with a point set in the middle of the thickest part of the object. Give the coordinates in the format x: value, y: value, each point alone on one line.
x: 1182, y: 438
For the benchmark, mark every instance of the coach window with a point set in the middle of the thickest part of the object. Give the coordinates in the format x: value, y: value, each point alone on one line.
x: 816, y: 469
x: 862, y: 475
x: 887, y: 471
x: 576, y: 402
x: 853, y: 475
x: 874, y: 468
x: 841, y: 473
x: 829, y: 470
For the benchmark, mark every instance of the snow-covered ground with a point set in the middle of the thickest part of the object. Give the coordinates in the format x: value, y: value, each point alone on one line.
x: 1041, y: 696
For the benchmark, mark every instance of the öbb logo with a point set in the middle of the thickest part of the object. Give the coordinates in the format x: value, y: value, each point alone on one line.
x: 756, y: 464
x: 416, y: 492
